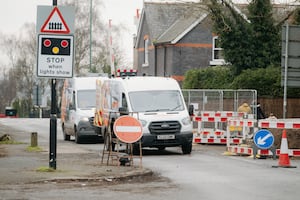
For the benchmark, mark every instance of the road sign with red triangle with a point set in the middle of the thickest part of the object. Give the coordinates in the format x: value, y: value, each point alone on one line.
x: 55, y: 23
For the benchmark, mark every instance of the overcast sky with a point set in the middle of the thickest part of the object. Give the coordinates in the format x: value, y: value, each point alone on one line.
x: 15, y: 13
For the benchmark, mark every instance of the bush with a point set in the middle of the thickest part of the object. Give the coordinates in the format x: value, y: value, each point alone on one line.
x: 218, y: 77
x: 267, y: 81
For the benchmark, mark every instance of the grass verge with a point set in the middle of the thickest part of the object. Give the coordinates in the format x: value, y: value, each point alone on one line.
x: 34, y: 149
x: 45, y: 169
x: 10, y: 142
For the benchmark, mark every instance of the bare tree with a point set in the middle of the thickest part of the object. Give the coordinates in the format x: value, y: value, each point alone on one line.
x: 7, y: 89
x: 100, y: 38
x: 21, y: 51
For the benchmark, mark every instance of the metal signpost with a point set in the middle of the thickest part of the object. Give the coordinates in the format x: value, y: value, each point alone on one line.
x: 55, y: 27
x: 290, y: 60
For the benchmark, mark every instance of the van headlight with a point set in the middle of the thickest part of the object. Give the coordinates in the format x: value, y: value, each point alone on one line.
x: 143, y: 122
x: 84, y: 119
x: 186, y: 121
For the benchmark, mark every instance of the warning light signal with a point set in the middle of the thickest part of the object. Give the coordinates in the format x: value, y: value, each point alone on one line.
x: 64, y: 43
x: 47, y: 43
x: 55, y: 46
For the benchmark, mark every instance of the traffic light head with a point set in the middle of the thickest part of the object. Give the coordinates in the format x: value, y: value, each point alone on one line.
x: 55, y: 46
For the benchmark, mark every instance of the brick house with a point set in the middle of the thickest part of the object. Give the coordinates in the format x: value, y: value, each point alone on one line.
x: 173, y: 38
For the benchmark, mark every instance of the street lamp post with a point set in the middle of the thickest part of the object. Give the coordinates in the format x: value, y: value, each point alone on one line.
x: 91, y: 20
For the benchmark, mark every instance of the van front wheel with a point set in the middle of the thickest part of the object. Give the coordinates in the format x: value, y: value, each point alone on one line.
x: 66, y: 136
x: 186, y: 148
x: 77, y: 137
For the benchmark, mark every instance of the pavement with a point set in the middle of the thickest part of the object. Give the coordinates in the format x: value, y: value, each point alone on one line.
x: 18, y: 165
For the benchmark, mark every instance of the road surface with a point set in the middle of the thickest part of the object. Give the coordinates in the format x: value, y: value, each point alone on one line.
x: 205, y: 174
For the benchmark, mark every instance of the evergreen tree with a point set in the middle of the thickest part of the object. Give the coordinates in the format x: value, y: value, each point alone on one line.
x: 297, y: 17
x: 266, y: 38
x: 248, y: 43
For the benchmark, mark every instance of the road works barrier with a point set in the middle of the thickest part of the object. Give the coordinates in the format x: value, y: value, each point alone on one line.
x: 216, y: 127
x: 292, y: 123
x: 212, y: 109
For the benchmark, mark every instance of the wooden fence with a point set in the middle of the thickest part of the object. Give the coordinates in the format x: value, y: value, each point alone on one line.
x: 275, y: 105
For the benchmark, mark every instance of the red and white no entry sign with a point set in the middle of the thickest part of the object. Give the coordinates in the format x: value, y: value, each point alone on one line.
x: 128, y: 129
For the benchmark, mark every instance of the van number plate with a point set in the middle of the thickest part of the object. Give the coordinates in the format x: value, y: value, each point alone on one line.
x: 166, y: 137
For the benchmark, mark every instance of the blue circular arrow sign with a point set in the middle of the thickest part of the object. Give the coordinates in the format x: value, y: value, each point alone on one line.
x: 263, y: 139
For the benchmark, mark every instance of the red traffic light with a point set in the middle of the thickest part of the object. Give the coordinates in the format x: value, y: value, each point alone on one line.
x: 56, y: 46
x: 47, y: 43
x: 64, y: 43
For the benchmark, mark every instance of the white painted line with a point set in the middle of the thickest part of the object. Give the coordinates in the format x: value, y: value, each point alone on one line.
x: 135, y: 129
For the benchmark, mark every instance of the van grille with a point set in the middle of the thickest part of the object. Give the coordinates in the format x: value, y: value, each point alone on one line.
x: 164, y: 127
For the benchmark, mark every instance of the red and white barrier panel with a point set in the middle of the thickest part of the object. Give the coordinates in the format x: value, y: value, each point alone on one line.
x: 205, y: 135
x: 210, y: 119
x: 242, y: 122
x: 216, y: 140
x: 221, y: 114
x: 217, y: 135
x: 265, y: 152
x: 280, y: 123
x: 208, y: 133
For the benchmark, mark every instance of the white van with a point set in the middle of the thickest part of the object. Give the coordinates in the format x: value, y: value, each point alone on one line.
x: 77, y: 107
x: 157, y: 102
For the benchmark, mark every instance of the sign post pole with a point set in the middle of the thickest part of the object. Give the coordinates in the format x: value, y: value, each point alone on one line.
x: 53, y: 127
x: 285, y: 69
x: 55, y: 28
x: 53, y: 122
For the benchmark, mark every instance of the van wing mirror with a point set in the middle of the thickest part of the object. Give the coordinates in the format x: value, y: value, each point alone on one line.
x: 191, y: 110
x: 123, y: 111
x: 72, y: 106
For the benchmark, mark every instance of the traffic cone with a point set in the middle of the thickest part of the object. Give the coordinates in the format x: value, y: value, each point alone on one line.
x: 284, y: 160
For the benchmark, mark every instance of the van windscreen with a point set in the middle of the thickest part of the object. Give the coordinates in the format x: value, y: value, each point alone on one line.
x: 86, y: 99
x: 155, y: 101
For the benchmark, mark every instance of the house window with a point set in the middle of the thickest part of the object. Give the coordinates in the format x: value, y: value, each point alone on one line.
x: 217, y: 52
x: 146, y: 52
